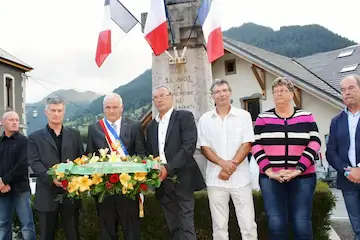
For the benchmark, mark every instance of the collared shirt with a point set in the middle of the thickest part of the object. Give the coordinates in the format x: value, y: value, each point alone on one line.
x: 57, y: 139
x: 225, y: 137
x: 118, y: 126
x: 353, y: 120
x: 162, y: 129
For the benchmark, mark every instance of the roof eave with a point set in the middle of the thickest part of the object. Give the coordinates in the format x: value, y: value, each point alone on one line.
x: 16, y: 65
x: 281, y: 72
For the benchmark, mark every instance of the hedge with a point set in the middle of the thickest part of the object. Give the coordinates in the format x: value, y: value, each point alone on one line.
x: 154, y: 227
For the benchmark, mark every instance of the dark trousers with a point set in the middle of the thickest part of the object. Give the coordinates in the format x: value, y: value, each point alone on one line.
x: 352, y: 203
x: 289, y: 202
x: 119, y: 209
x: 178, y: 208
x: 48, y: 222
x: 20, y: 201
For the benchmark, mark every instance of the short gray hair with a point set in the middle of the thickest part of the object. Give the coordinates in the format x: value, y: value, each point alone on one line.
x: 355, y: 76
x: 112, y: 95
x: 54, y: 100
x: 7, y: 114
x: 217, y: 82
x: 283, y: 81
x: 162, y: 86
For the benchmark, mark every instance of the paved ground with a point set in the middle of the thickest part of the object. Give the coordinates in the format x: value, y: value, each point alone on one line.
x: 340, y: 220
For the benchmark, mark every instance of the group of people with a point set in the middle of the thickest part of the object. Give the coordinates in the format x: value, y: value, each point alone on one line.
x: 284, y: 141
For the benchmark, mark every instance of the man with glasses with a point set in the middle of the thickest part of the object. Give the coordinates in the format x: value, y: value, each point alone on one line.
x: 172, y: 136
x: 225, y: 137
x: 49, y: 146
x: 343, y: 149
x: 127, y: 138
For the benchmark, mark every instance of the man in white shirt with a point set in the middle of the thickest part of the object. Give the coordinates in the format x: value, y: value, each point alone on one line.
x: 225, y: 137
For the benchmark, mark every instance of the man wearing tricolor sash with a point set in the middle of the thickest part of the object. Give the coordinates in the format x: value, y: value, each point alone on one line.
x: 127, y: 138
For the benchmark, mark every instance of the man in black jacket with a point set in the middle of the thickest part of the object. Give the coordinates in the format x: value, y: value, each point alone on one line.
x: 172, y: 136
x: 14, y: 180
x: 49, y: 146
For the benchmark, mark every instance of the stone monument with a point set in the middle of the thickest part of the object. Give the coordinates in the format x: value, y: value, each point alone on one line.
x: 187, y: 70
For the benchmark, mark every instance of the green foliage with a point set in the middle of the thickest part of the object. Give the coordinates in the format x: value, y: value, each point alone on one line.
x: 154, y: 226
x: 290, y: 41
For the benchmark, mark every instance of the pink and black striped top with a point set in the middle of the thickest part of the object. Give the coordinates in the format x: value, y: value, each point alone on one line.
x: 286, y: 143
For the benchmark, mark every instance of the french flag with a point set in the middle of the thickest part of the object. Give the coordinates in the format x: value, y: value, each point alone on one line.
x: 156, y: 30
x: 210, y: 23
x: 117, y: 22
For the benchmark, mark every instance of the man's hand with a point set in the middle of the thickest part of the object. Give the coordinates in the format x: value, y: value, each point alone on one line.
x: 291, y: 174
x: 6, y: 189
x: 354, y: 175
x: 228, y: 166
x: 278, y: 176
x: 57, y: 183
x: 163, y: 173
x: 223, y: 175
x: 1, y: 183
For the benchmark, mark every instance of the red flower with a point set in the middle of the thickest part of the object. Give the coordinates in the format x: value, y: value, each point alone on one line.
x: 114, y: 178
x: 143, y: 187
x: 64, y: 183
x: 143, y: 161
x: 108, y: 185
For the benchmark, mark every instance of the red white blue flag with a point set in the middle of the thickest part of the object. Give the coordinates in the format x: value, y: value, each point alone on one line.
x: 209, y: 20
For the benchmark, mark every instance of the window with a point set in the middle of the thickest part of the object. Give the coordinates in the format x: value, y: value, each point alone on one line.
x: 9, y: 93
x: 230, y: 67
x: 253, y: 107
x: 349, y: 68
x: 346, y: 53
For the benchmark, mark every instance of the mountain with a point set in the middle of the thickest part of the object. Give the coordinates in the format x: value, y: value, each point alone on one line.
x: 77, y: 103
x: 290, y: 41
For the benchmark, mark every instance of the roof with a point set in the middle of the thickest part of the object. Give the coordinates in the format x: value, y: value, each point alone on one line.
x: 328, y: 65
x: 9, y: 59
x: 284, y: 66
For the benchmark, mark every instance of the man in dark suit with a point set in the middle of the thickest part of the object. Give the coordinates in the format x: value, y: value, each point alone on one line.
x: 343, y: 149
x: 172, y: 136
x: 49, y: 146
x: 101, y: 135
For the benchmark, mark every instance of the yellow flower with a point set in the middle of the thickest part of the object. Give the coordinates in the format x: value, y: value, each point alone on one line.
x: 103, y: 152
x: 60, y: 175
x: 125, y: 189
x: 73, y: 185
x: 94, y: 159
x: 96, y: 178
x: 113, y: 157
x: 84, y: 183
x: 55, y: 166
x: 140, y: 176
x: 82, y: 160
x: 157, y: 159
x: 124, y: 179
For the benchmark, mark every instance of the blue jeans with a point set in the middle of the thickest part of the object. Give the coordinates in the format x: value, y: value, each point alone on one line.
x: 21, y: 203
x: 352, y: 203
x: 289, y: 202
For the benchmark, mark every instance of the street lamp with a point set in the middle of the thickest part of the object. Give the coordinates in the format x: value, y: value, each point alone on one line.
x: 34, y: 112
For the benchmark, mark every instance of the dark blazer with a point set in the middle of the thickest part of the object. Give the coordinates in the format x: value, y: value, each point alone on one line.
x: 131, y: 135
x: 338, y: 147
x: 180, y: 145
x: 42, y: 155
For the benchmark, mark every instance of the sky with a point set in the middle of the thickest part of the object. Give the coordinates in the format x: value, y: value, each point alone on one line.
x: 58, y: 38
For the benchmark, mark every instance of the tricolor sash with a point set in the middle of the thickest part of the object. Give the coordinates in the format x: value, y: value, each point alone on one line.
x: 112, y: 138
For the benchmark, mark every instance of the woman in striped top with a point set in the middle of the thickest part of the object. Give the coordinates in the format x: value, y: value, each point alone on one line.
x: 286, y: 143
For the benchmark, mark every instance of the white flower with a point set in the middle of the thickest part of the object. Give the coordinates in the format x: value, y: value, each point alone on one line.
x: 103, y: 152
x: 94, y: 159
x: 114, y: 157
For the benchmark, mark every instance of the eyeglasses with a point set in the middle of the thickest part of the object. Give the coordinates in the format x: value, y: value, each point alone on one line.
x: 217, y: 92
x: 161, y: 96
x: 280, y: 91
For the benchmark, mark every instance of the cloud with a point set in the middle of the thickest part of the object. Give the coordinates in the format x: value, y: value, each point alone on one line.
x: 58, y: 38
